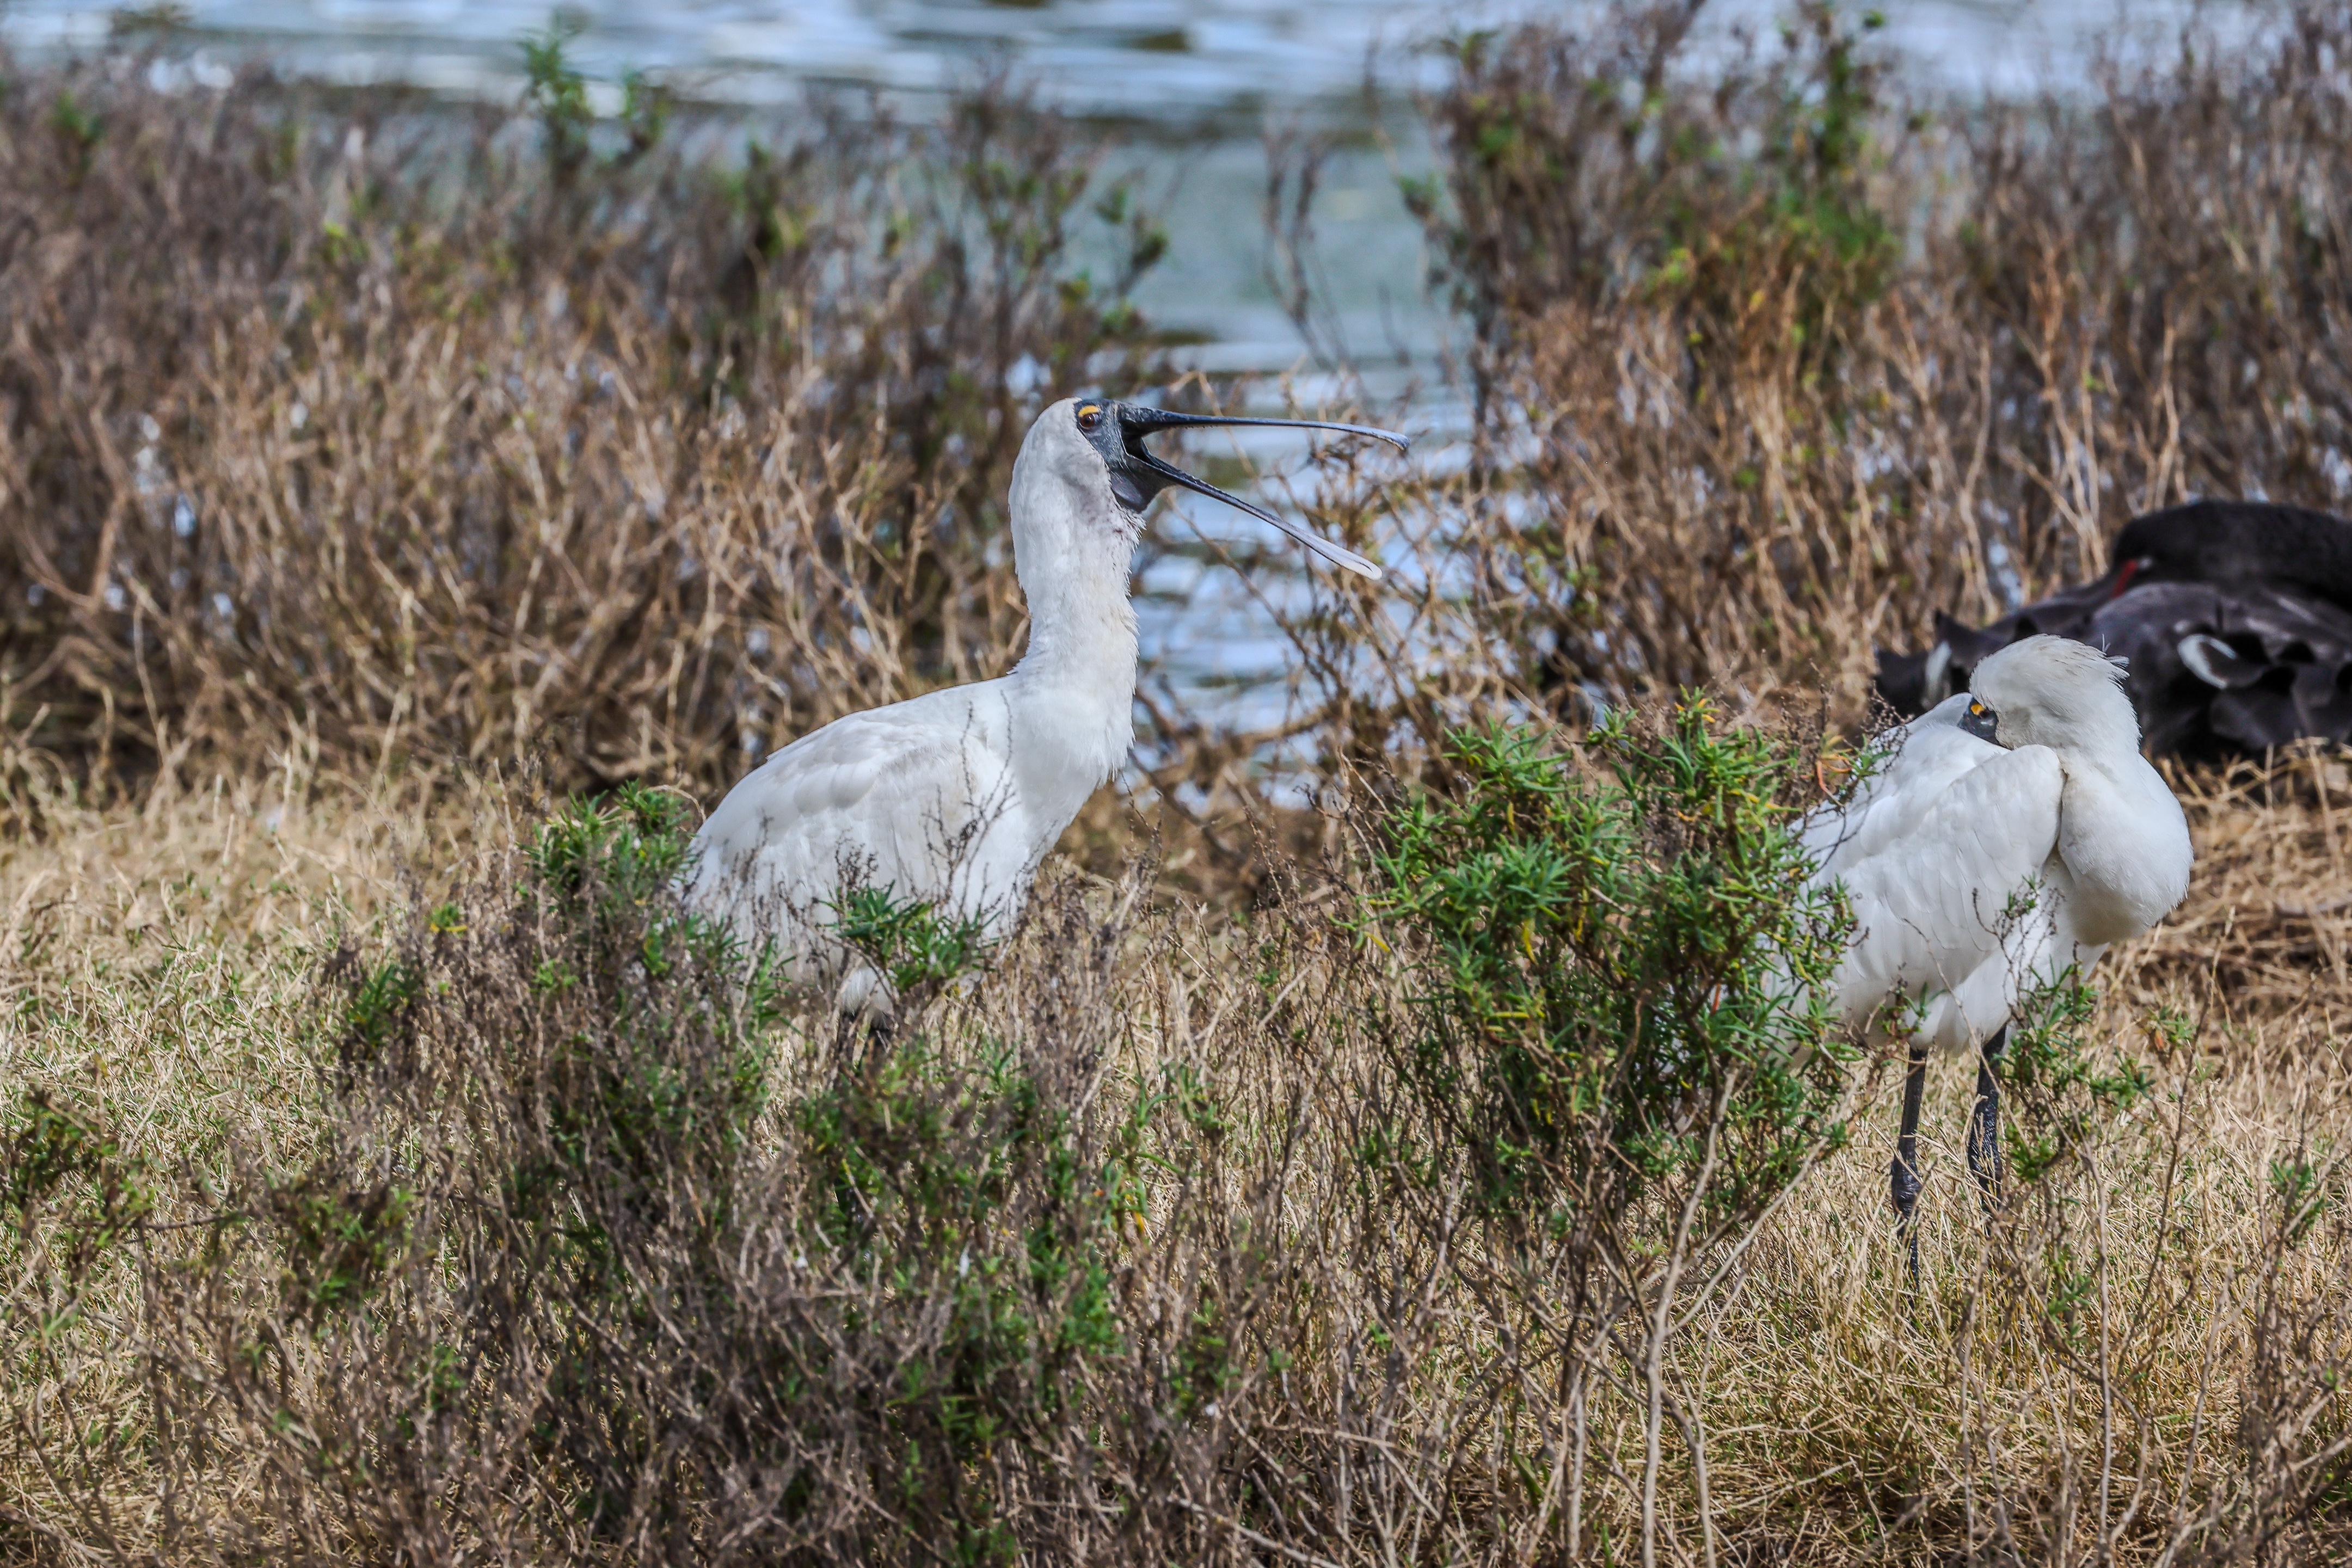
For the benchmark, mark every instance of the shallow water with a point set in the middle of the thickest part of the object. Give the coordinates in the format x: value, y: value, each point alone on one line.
x: 1171, y: 61
x: 1198, y: 80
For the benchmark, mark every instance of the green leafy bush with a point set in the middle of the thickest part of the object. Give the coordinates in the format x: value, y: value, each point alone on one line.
x: 970, y: 1189
x: 69, y: 1184
x: 550, y: 1093
x: 2054, y: 1088
x: 1619, y: 1051
x: 628, y: 1249
x: 337, y: 1243
x: 1624, y: 968
x: 558, y: 94
x: 909, y: 941
x: 662, y: 1084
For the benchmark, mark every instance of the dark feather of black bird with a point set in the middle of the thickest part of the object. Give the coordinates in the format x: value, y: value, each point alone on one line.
x: 2235, y: 618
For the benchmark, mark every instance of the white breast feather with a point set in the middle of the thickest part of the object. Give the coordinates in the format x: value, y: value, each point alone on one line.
x: 913, y: 797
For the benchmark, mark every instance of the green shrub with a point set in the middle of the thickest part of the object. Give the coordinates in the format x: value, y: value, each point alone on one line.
x: 909, y: 941
x: 662, y: 1068
x: 337, y: 1242
x: 969, y: 1190
x: 1620, y: 1051
x: 610, y: 1237
x: 558, y: 94
x: 2054, y: 1089
x: 1624, y: 969
x: 69, y: 1184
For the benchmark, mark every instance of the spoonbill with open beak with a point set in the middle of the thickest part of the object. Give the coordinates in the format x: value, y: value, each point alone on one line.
x: 954, y: 798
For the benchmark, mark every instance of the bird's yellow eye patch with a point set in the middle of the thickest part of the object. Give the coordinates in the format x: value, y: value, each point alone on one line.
x: 1976, y: 707
x: 1089, y: 415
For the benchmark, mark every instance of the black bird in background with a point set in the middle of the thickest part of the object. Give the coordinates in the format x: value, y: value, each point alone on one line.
x: 2236, y: 616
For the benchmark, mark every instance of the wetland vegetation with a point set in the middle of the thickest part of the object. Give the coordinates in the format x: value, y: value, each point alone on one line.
x: 408, y: 516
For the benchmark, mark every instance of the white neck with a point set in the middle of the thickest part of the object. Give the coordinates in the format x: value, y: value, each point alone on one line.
x: 1073, y: 694
x: 1081, y: 626
x: 2122, y: 834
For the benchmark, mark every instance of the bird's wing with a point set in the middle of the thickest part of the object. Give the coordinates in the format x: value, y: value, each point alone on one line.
x: 1948, y: 873
x: 1918, y: 762
x: 903, y: 797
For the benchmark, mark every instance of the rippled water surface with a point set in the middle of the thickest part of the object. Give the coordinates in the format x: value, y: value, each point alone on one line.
x: 1198, y: 78
x: 1170, y: 58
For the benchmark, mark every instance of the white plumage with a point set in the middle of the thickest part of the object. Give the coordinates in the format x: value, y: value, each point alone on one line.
x: 954, y: 798
x: 917, y: 797
x: 2014, y: 831
x: 1932, y: 851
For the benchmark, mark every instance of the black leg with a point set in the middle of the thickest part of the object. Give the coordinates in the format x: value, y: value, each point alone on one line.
x: 1906, y: 1154
x: 1984, y: 1123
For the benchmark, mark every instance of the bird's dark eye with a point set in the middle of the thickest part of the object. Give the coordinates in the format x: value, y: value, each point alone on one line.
x: 1089, y: 417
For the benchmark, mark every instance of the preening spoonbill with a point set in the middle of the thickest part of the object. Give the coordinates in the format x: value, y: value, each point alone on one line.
x: 2236, y: 617
x: 953, y: 798
x: 2031, y: 786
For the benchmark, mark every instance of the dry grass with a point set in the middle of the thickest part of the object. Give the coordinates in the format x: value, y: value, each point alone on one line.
x: 2137, y: 1366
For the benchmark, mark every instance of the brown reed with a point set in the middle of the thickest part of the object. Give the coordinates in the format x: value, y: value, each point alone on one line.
x: 1771, y: 364
x: 335, y: 428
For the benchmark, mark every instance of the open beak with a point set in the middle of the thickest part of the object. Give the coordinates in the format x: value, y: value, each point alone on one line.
x: 1135, y: 423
